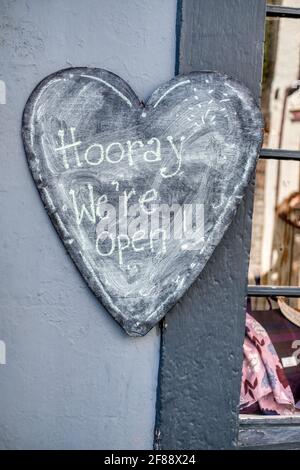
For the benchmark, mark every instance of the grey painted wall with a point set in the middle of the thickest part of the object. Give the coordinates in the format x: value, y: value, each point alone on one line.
x: 73, y: 379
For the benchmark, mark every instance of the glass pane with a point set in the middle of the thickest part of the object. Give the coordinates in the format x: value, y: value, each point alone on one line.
x: 285, y: 3
x: 275, y: 250
x: 281, y: 84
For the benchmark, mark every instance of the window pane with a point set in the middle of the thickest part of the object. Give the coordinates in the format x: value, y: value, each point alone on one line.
x: 281, y: 84
x: 285, y: 3
x: 275, y: 251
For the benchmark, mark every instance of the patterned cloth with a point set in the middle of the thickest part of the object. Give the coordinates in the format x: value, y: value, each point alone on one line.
x: 264, y: 384
x: 285, y: 337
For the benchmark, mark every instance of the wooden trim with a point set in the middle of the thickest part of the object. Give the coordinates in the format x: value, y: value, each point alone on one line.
x: 263, y: 432
x: 202, y: 337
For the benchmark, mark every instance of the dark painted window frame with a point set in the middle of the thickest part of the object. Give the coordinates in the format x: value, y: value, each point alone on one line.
x: 283, y: 432
x: 187, y: 417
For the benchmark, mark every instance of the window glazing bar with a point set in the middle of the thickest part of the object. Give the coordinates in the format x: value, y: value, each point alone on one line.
x: 273, y: 291
x: 279, y: 154
x: 282, y: 12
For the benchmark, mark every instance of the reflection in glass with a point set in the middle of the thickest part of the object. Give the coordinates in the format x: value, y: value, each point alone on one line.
x: 275, y: 251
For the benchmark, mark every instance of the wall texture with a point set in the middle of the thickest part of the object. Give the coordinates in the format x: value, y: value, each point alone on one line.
x: 73, y: 379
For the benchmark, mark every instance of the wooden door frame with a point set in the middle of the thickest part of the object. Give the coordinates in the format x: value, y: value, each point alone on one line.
x: 202, y: 337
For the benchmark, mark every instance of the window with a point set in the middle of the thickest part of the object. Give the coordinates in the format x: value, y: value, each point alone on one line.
x: 275, y: 250
x: 274, y: 269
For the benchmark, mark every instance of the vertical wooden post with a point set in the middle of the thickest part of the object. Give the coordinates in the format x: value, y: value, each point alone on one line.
x: 201, y: 352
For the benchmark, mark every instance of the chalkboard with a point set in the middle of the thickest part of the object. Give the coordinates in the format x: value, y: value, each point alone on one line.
x: 140, y: 194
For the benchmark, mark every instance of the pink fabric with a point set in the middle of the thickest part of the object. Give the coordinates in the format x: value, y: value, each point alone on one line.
x: 263, y: 382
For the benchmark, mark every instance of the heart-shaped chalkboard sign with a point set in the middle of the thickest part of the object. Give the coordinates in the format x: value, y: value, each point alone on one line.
x: 140, y: 194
